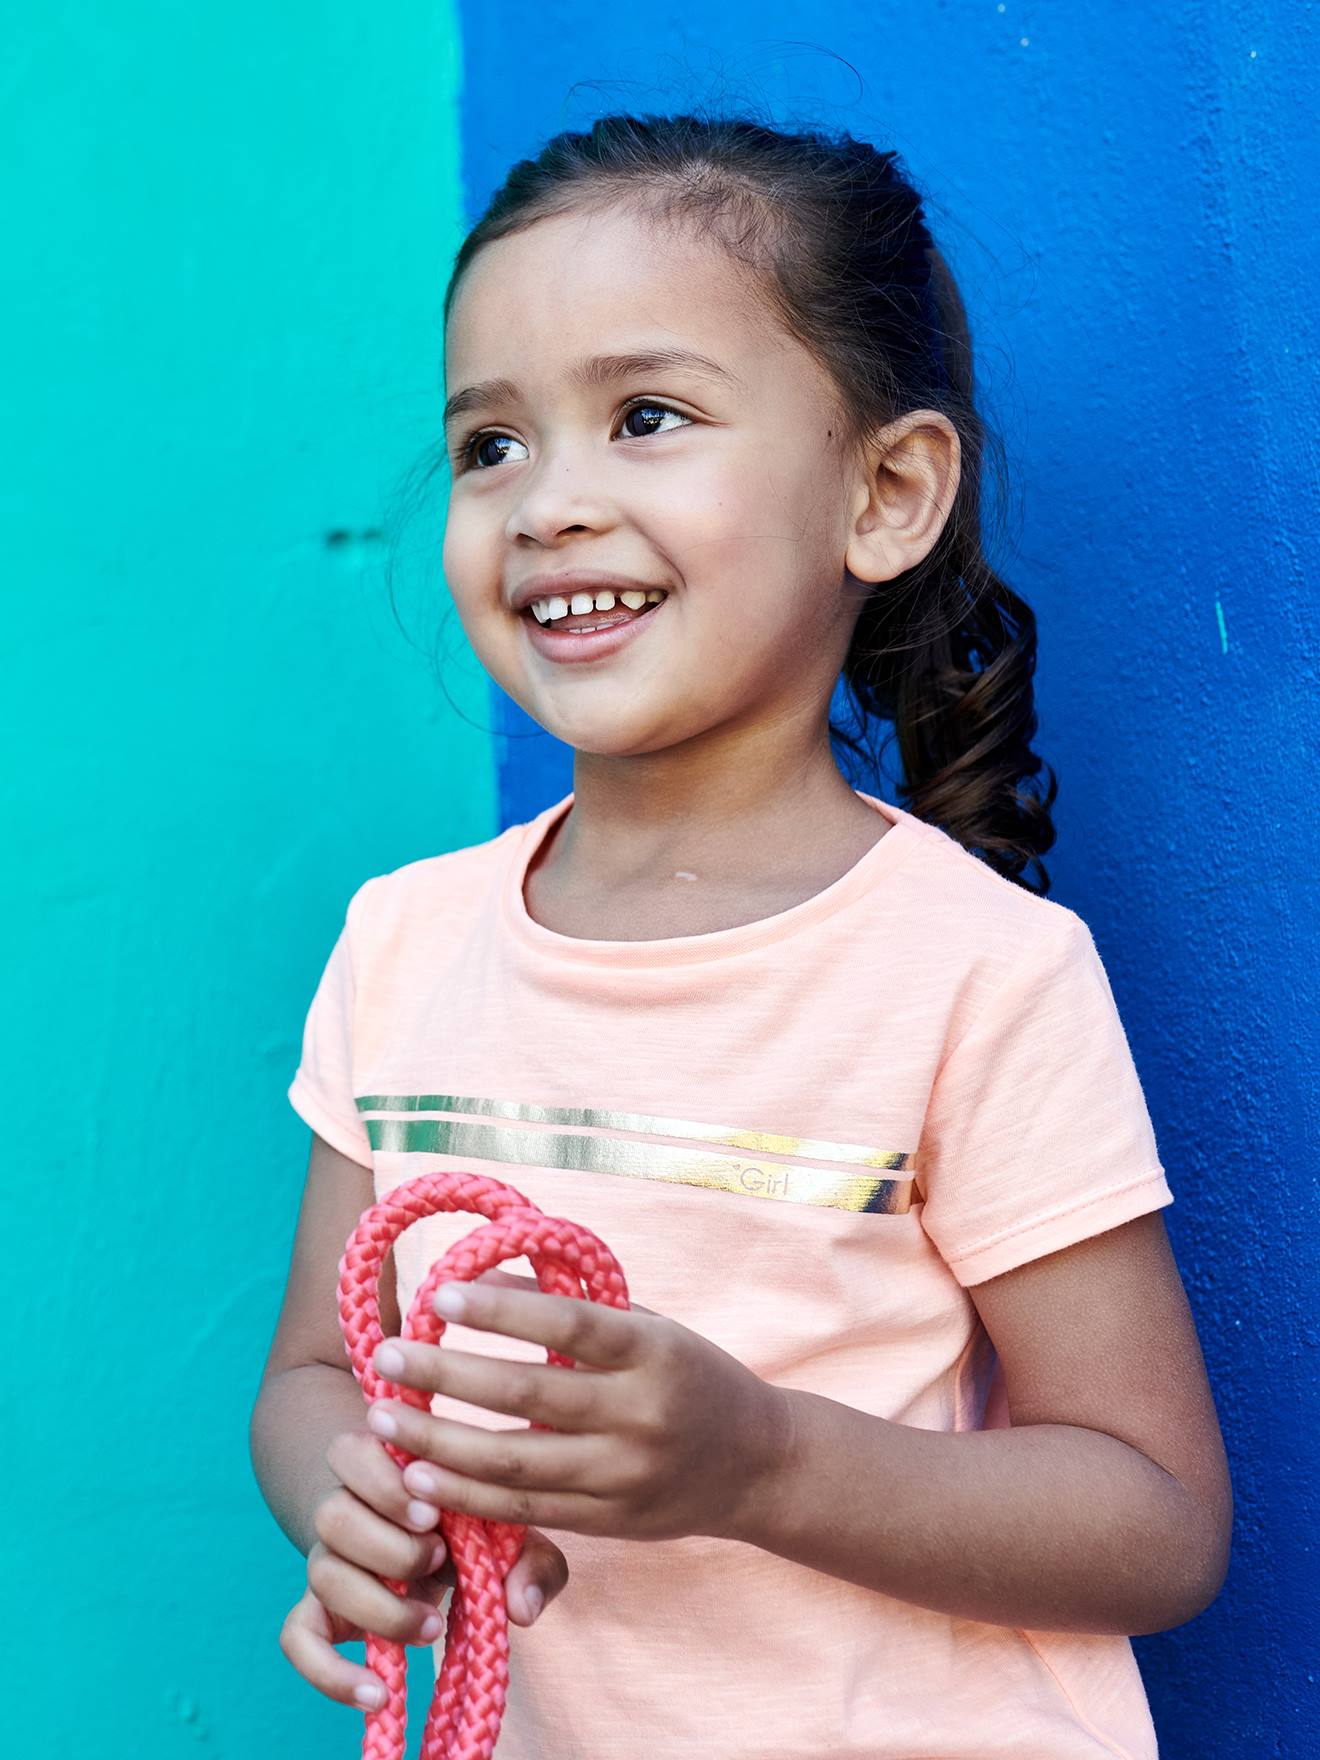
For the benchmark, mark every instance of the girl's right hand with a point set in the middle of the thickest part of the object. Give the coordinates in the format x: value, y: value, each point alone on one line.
x: 368, y: 1528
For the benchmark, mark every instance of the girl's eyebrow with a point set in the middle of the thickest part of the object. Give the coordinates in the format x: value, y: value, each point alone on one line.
x: 597, y: 369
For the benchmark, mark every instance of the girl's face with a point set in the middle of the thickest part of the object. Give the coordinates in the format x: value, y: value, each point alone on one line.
x: 721, y: 484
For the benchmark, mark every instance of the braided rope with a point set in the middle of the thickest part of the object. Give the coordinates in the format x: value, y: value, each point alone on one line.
x: 468, y: 1703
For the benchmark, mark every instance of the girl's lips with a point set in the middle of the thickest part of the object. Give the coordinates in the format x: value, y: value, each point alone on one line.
x: 574, y: 646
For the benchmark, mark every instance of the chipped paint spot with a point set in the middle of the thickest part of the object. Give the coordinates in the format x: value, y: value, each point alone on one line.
x: 1223, y: 633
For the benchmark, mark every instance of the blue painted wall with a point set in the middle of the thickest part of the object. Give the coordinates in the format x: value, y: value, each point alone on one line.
x: 1127, y: 195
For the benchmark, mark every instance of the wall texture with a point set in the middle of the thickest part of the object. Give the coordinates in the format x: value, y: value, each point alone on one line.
x: 223, y: 351
x: 1127, y: 196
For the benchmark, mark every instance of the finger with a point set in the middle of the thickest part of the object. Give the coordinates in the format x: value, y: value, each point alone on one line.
x: 436, y: 1586
x: 307, y: 1639
x: 364, y: 1601
x: 359, y: 1461
x: 609, y: 1338
x: 541, y: 1567
x: 533, y: 1460
x: 544, y: 1393
x: 578, y: 1511
x: 516, y: 1280
x: 356, y: 1532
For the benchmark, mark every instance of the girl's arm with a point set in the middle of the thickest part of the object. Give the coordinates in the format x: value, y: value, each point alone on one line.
x: 308, y: 1392
x: 1107, y: 1507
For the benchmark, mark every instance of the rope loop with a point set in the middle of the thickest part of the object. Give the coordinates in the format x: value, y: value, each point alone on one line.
x: 472, y: 1684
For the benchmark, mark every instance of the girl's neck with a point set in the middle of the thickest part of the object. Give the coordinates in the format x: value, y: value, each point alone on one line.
x: 640, y: 858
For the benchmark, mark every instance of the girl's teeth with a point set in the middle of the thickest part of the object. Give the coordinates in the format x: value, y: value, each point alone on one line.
x: 553, y: 609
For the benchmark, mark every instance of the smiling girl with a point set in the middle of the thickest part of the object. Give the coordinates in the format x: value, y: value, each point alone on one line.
x: 908, y: 1429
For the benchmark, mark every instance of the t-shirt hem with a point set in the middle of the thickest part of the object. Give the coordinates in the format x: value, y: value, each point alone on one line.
x: 325, y: 1124
x: 1062, y: 1229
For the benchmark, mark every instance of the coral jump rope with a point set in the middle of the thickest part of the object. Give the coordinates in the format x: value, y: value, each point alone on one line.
x: 468, y: 1703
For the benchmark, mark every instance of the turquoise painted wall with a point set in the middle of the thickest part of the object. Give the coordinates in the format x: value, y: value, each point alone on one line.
x: 229, y: 232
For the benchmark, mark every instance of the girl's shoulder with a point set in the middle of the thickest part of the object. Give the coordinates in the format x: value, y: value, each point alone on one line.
x: 450, y: 871
x: 960, y: 899
x: 431, y: 896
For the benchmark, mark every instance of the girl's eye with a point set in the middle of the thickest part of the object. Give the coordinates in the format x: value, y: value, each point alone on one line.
x: 651, y: 409
x: 470, y: 452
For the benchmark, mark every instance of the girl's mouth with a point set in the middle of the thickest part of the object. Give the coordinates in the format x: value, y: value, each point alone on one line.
x: 598, y: 634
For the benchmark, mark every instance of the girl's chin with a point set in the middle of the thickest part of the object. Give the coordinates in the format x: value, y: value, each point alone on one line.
x: 620, y: 729
x: 597, y: 742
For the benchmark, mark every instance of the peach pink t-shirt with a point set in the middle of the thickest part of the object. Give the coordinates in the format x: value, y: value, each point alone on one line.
x: 804, y: 1138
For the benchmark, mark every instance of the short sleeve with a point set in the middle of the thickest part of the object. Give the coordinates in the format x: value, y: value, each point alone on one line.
x: 1037, y: 1133
x: 322, y: 1092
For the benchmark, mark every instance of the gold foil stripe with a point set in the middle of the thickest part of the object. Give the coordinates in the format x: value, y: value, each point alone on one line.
x: 640, y: 1124
x: 783, y: 1182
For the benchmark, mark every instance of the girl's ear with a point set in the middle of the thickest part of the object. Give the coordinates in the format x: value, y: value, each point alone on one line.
x: 907, y: 479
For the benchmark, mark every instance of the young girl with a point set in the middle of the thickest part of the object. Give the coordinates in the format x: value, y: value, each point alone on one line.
x: 908, y: 1429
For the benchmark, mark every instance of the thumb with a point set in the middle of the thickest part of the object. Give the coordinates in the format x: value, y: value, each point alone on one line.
x: 541, y: 1568
x: 433, y: 1587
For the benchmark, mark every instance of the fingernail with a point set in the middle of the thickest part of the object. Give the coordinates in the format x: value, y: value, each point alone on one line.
x: 439, y: 1556
x: 431, y: 1626
x: 390, y: 1360
x: 535, y: 1601
x: 379, y: 1420
x: 372, y: 1697
x: 422, y: 1515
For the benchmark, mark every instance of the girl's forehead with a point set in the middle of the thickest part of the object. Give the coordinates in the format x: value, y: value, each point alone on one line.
x: 586, y: 240
x: 580, y: 276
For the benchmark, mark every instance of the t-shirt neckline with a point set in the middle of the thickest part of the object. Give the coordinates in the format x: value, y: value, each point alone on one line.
x: 878, y: 862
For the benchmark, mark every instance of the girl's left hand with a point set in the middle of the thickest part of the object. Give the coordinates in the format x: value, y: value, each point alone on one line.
x: 656, y: 1434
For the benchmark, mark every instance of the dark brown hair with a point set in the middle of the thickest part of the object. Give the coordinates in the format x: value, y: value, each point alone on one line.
x: 837, y: 234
